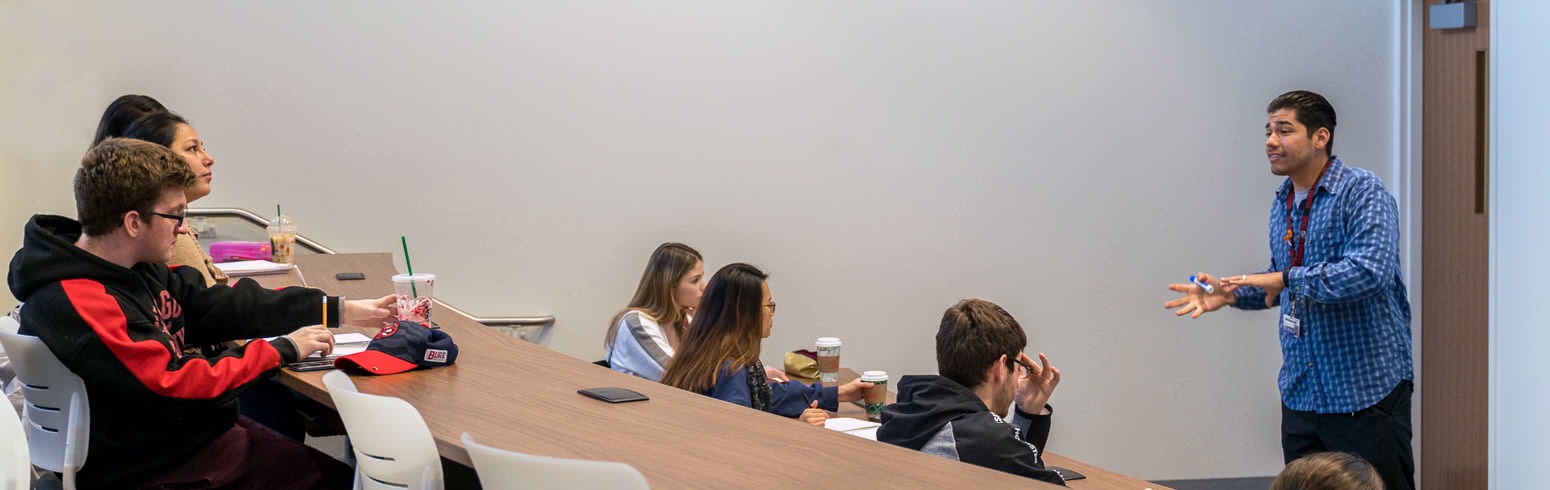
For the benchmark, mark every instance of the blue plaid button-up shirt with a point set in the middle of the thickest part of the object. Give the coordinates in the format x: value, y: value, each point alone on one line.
x: 1354, y: 342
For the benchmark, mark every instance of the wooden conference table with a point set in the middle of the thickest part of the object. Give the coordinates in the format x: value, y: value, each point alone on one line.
x: 520, y: 396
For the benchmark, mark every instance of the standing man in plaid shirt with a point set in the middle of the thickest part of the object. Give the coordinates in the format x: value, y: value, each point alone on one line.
x: 1346, y: 375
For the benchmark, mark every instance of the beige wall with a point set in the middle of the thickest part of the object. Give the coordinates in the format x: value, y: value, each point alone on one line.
x: 881, y: 159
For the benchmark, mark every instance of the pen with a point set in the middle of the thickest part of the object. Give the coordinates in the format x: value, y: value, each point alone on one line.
x: 1203, y: 285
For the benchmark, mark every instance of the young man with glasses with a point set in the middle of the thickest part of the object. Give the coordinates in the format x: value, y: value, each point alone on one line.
x: 98, y: 294
x: 961, y: 414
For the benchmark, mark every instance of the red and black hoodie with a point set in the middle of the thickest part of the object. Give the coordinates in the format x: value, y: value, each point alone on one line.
x: 123, y: 331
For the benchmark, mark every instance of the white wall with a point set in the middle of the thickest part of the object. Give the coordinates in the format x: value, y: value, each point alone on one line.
x: 881, y: 159
x: 1520, y: 389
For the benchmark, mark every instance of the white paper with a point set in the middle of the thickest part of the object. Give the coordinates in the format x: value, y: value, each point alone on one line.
x: 344, y: 345
x: 869, y: 434
x: 341, y: 350
x: 846, y: 424
x: 342, y: 338
x: 350, y: 338
x: 252, y: 268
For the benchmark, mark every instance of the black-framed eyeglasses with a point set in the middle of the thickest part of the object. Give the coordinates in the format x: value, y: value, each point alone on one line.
x: 1016, y: 361
x: 771, y: 305
x: 175, y: 217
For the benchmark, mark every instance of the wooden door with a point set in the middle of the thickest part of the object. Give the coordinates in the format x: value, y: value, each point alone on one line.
x: 1453, y: 374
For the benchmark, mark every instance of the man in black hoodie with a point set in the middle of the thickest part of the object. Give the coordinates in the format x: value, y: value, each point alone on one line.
x: 961, y: 414
x: 98, y: 295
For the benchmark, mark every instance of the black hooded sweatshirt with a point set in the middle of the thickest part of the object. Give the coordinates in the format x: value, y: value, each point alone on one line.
x: 936, y: 415
x: 123, y: 331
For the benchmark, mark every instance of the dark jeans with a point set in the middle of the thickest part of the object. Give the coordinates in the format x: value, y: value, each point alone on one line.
x: 1379, y: 434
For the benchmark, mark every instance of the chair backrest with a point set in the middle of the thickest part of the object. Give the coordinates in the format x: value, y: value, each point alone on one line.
x: 501, y: 469
x: 15, y: 467
x: 56, y: 409
x: 393, y: 447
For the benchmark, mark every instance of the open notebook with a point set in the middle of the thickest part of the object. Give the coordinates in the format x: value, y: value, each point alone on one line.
x: 856, y: 427
x: 344, y: 345
x: 252, y: 268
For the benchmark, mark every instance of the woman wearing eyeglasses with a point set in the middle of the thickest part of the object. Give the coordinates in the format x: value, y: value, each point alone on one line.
x: 719, y: 355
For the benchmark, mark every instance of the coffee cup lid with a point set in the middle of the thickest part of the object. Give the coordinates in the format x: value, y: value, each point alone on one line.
x: 828, y: 341
x: 874, y: 376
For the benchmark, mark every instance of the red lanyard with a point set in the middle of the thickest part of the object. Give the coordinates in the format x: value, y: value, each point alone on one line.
x: 1307, y: 209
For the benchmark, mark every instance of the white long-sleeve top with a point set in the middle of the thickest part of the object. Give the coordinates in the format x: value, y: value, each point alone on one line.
x: 640, y: 347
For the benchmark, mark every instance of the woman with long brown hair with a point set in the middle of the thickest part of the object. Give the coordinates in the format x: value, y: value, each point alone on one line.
x: 719, y: 356
x: 637, y: 342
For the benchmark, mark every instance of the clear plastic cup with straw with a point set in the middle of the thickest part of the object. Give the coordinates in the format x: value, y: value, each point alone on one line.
x: 282, y: 238
x: 413, y: 291
x: 414, y: 296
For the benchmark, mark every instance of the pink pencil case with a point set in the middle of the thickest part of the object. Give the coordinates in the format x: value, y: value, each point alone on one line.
x: 234, y: 251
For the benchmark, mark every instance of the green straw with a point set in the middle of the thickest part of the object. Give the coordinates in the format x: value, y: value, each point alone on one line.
x: 277, y: 214
x: 404, y: 240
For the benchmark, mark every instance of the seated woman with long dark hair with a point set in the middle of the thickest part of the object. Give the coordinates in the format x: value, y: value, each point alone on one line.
x: 172, y: 131
x: 719, y: 355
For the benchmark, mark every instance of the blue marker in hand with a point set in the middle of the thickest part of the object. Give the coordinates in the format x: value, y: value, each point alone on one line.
x: 1209, y: 289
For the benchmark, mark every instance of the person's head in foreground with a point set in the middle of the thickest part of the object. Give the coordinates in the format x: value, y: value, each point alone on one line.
x: 129, y: 196
x: 1328, y: 471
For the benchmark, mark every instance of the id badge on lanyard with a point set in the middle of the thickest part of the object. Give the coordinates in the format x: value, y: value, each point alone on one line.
x: 1289, y: 322
x: 1296, y: 243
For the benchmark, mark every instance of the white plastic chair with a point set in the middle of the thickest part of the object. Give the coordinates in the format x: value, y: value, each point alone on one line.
x: 393, y: 447
x: 57, y: 413
x: 501, y: 469
x: 15, y: 467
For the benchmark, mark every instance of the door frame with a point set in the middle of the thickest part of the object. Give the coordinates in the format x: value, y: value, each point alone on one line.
x: 1409, y: 28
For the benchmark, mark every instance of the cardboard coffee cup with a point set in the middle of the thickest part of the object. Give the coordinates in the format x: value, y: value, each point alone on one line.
x: 876, y: 396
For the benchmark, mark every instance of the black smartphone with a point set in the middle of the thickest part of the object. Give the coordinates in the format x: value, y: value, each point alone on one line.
x: 1067, y: 474
x: 349, y: 276
x: 613, y: 395
x: 312, y: 365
